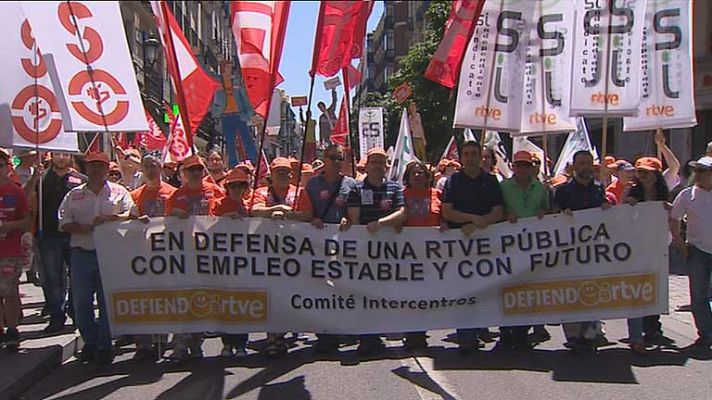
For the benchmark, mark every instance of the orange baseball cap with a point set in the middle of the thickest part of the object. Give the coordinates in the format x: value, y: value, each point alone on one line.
x: 280, y: 162
x: 523, y: 156
x: 237, y: 175
x: 649, y: 164
x: 376, y: 151
x: 192, y: 161
x: 245, y: 167
x: 97, y: 156
x: 307, y: 168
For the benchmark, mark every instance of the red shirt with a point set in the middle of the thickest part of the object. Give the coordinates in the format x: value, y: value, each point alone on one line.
x: 13, y: 207
x: 616, y: 191
x: 267, y: 197
x: 195, y: 201
x: 152, y: 201
x: 224, y: 205
x: 422, y: 207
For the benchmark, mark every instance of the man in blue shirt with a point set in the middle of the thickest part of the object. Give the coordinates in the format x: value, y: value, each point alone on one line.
x: 472, y: 200
x: 376, y: 202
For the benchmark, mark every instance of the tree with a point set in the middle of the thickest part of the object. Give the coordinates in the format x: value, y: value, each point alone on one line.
x: 435, y: 103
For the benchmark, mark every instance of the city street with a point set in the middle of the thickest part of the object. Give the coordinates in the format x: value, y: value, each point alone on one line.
x: 439, y: 373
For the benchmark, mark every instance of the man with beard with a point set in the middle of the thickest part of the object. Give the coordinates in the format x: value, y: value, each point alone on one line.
x: 54, y: 245
x: 216, y: 168
x: 580, y: 193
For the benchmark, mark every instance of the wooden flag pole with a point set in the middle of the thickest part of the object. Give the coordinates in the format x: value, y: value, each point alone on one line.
x: 604, y: 133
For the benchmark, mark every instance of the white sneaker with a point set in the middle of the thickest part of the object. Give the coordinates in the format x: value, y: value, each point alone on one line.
x: 226, y: 351
x: 241, y: 352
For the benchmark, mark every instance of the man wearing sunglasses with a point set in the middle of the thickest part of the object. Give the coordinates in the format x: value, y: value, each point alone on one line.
x: 696, y: 203
x: 328, y: 192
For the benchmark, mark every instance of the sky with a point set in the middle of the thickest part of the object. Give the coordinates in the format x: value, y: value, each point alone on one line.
x: 297, y: 52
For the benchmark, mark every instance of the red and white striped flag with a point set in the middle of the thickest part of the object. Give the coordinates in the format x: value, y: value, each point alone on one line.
x: 444, y: 67
x: 177, y: 147
x: 259, y: 28
x: 153, y: 138
x: 450, y: 152
x: 194, y: 87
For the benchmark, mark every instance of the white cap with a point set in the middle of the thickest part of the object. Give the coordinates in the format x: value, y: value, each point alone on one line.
x: 703, y: 162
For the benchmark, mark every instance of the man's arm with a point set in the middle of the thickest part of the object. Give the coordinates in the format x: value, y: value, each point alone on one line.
x: 672, y: 162
x: 332, y: 107
x: 450, y: 214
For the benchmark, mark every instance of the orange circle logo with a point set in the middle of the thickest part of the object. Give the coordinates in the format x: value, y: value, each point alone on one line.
x: 38, y: 106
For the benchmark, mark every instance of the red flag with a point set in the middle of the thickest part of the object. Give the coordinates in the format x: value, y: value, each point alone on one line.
x: 450, y: 152
x: 193, y: 86
x: 340, y: 34
x: 122, y: 140
x: 153, y: 139
x: 177, y: 147
x: 259, y: 28
x: 444, y: 67
x: 341, y: 129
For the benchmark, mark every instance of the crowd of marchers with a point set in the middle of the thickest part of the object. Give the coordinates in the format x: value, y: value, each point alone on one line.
x: 50, y: 204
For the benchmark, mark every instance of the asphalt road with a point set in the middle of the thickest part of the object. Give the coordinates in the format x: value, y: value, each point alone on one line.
x: 549, y: 372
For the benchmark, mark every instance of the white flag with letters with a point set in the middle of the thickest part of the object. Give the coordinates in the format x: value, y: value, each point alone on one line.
x: 668, y: 98
x: 29, y: 110
x: 94, y: 74
x: 608, y: 33
x: 490, y: 86
x: 576, y: 141
x: 404, y: 152
x: 547, y: 73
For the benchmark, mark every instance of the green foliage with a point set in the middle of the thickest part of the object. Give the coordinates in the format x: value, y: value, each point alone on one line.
x: 435, y: 103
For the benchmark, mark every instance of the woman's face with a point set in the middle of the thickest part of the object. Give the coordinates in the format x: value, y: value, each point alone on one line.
x: 647, y: 178
x: 418, y: 178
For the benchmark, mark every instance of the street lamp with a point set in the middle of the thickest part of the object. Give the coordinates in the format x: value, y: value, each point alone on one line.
x: 150, y: 48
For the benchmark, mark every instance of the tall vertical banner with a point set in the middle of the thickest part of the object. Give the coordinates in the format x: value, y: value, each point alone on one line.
x: 490, y: 86
x: 547, y: 74
x: 370, y: 129
x: 668, y: 98
x: 29, y: 110
x: 608, y: 33
x: 177, y: 147
x: 86, y: 42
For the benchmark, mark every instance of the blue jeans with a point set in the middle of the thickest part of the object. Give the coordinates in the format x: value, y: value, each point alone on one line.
x: 86, y: 283
x: 55, y: 256
x: 699, y: 266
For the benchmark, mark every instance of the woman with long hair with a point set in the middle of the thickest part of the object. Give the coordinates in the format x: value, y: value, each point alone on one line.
x: 648, y: 185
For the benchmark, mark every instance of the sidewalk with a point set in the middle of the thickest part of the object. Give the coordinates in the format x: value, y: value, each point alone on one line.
x: 39, y: 353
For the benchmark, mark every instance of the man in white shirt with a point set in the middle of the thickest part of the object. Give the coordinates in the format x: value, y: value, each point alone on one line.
x: 695, y: 202
x: 83, y: 208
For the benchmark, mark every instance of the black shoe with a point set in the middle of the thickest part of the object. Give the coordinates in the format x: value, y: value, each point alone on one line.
x: 415, y: 343
x: 104, y: 357
x: 370, y: 346
x: 54, y: 327
x: 658, y: 339
x: 145, y: 355
x: 86, y: 355
x: 487, y: 335
x: 12, y: 339
x: 704, y: 343
x: 326, y: 346
x: 469, y: 347
x: 123, y: 340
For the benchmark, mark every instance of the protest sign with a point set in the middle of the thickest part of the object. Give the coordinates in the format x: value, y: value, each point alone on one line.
x: 668, y: 99
x: 298, y: 101
x: 332, y: 83
x: 95, y: 78
x: 370, y: 129
x: 225, y: 275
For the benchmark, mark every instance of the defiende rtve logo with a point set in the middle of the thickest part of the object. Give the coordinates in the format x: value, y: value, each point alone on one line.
x: 185, y: 305
x: 580, y: 294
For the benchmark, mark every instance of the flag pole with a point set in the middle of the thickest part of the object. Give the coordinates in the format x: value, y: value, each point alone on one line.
x: 347, y: 95
x: 545, y: 141
x: 177, y: 79
x: 604, y: 132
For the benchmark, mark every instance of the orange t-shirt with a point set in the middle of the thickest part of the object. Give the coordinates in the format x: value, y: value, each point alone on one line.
x: 195, y: 201
x: 224, y: 205
x: 152, y: 201
x: 266, y: 197
x: 618, y: 189
x: 422, y: 207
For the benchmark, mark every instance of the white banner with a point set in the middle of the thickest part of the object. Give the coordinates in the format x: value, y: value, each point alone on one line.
x: 96, y: 76
x: 257, y: 275
x: 547, y: 74
x: 591, y: 93
x: 370, y: 129
x: 29, y: 111
x: 490, y: 87
x: 576, y: 141
x: 668, y: 98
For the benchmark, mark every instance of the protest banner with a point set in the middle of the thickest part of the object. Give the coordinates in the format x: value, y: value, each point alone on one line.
x: 668, y: 99
x: 299, y: 101
x: 547, y: 72
x: 257, y: 275
x: 370, y: 129
x: 402, y: 92
x: 491, y: 78
x: 95, y: 78
x: 30, y: 114
x: 606, y: 73
x: 332, y: 83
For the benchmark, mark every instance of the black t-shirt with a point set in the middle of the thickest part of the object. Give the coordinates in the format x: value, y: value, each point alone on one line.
x: 477, y: 195
x: 54, y: 188
x: 575, y: 196
x: 375, y: 201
